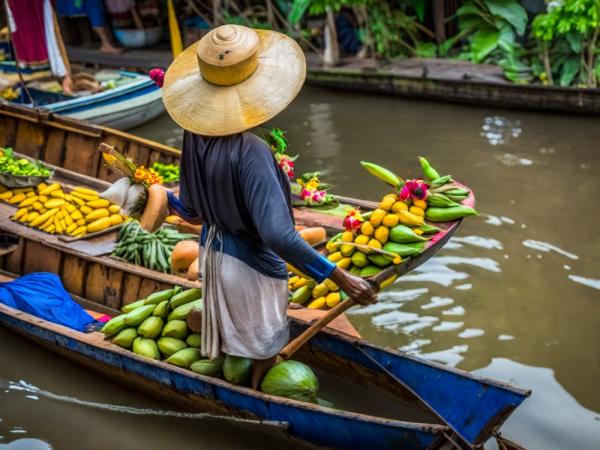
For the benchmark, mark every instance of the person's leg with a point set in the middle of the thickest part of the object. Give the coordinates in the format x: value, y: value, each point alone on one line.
x: 95, y: 13
x: 260, y: 367
x: 105, y: 43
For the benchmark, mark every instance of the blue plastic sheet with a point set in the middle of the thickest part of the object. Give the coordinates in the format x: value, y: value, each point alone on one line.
x: 43, y: 295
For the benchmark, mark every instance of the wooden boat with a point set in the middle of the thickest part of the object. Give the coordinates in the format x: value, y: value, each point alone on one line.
x: 136, y: 100
x: 473, y: 407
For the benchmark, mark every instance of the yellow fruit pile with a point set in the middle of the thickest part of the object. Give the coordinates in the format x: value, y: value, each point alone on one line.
x: 385, y: 236
x: 51, y: 209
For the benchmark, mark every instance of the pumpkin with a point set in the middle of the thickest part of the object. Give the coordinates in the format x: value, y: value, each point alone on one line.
x: 193, y: 272
x: 184, y: 254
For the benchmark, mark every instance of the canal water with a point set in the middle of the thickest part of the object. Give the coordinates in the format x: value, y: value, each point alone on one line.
x: 514, y: 296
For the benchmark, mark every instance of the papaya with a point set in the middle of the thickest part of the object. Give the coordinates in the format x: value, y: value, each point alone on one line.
x: 184, y: 297
x: 151, y: 327
x: 313, y: 235
x: 169, y: 345
x: 301, y: 295
x: 146, y: 347
x: 138, y: 315
x: 194, y: 340
x: 175, y: 328
x: 193, y: 272
x: 185, y: 357
x: 183, y: 255
x: 182, y: 311
x: 114, y: 325
x: 208, y: 367
x: 125, y: 337
x: 156, y: 210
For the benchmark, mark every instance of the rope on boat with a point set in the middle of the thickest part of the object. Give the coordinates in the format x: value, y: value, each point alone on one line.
x: 34, y: 392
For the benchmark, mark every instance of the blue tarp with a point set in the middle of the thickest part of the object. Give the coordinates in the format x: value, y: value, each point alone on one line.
x: 43, y: 295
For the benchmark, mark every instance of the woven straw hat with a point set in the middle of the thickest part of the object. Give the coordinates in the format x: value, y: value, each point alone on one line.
x: 233, y: 79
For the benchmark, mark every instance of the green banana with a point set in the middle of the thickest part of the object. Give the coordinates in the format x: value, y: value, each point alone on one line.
x: 441, y: 181
x: 383, y: 174
x: 440, y: 200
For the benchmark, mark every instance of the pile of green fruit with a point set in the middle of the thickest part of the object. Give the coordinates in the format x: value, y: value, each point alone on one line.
x: 151, y: 250
x: 156, y: 327
x: 168, y: 172
x: 20, y: 166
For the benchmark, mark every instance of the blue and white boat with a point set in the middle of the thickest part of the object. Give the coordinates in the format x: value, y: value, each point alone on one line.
x: 134, y: 100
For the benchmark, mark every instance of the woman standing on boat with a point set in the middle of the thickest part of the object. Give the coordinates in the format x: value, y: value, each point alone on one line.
x: 231, y: 81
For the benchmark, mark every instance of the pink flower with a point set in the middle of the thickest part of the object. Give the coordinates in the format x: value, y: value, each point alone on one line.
x: 353, y: 220
x: 158, y: 76
x: 414, y: 189
x: 305, y: 194
x: 318, y: 196
x: 287, y: 165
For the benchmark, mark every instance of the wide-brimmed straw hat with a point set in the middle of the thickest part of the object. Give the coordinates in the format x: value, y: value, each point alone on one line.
x: 233, y: 79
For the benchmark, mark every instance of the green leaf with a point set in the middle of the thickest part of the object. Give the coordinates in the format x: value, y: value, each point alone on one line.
x: 570, y: 68
x: 485, y: 41
x: 298, y: 10
x: 426, y: 49
x: 419, y: 7
x: 511, y: 11
x: 575, y: 41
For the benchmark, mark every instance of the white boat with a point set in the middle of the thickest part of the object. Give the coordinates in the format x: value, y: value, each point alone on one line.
x: 134, y: 100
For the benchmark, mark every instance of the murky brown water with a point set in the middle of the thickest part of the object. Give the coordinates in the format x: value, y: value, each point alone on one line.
x: 515, y: 296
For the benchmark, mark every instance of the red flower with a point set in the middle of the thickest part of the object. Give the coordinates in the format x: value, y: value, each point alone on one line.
x: 158, y: 76
x: 353, y: 220
x: 287, y: 165
x: 414, y: 189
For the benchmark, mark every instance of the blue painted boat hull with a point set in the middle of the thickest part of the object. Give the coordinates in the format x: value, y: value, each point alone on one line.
x: 472, y: 405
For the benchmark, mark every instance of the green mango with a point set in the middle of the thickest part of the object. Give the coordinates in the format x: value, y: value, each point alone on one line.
x: 301, y: 295
x: 181, y: 312
x: 359, y: 259
x: 237, y: 370
x: 369, y: 271
x: 185, y: 297
x: 175, y: 328
x: 157, y: 297
x: 151, y: 327
x: 434, y: 214
x: 146, y: 347
x: 131, y: 306
x: 194, y: 340
x: 125, y: 337
x: 380, y: 260
x: 162, y: 309
x: 114, y: 325
x: 403, y: 250
x: 402, y: 233
x: 208, y: 367
x: 138, y: 315
x: 169, y: 345
x: 185, y: 357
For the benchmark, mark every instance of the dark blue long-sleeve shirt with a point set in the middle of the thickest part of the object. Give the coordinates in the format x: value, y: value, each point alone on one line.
x: 235, y: 184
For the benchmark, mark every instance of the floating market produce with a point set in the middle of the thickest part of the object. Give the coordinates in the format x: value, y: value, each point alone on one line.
x: 376, y: 240
x: 73, y: 213
x: 21, y: 172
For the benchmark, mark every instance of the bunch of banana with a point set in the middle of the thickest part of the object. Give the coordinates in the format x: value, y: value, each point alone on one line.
x: 51, y: 209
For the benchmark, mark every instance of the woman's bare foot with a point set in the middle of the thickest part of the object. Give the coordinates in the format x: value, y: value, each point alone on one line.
x: 109, y: 48
x: 260, y: 367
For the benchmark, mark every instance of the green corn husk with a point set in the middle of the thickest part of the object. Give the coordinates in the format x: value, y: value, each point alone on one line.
x: 208, y: 367
x: 125, y: 337
x: 185, y: 357
x: 194, y: 340
x: 175, y: 328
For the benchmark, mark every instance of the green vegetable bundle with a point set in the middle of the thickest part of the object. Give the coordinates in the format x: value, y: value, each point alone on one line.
x: 21, y: 167
x: 151, y: 250
x: 168, y: 172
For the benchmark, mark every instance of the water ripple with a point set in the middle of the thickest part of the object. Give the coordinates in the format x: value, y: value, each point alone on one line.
x: 545, y: 247
x: 478, y: 241
x: 585, y: 281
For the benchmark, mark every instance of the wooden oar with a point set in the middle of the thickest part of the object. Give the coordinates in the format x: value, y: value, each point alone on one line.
x: 292, y: 347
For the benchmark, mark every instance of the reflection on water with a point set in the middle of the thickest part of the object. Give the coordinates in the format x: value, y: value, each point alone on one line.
x: 498, y: 130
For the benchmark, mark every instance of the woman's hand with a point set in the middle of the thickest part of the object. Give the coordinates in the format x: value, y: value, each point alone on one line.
x: 357, y: 288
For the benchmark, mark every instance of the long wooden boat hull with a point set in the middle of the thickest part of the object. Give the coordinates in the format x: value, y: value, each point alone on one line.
x: 473, y: 406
